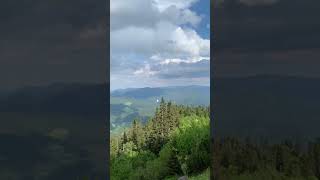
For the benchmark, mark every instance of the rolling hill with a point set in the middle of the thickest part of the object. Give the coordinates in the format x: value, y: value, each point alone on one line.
x: 127, y: 104
x: 38, y: 117
x: 272, y: 106
x: 84, y: 99
x: 90, y: 100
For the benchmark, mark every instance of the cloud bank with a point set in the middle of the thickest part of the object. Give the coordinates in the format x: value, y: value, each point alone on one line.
x: 266, y: 37
x: 43, y: 42
x: 148, y: 37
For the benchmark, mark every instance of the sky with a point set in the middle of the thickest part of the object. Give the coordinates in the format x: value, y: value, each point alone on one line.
x: 157, y: 43
x: 43, y: 42
x: 278, y: 37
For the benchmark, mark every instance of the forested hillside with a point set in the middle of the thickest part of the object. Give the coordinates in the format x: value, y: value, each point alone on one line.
x: 53, y: 132
x: 174, y: 142
x: 265, y: 127
x: 131, y: 103
x: 235, y: 159
x: 277, y: 107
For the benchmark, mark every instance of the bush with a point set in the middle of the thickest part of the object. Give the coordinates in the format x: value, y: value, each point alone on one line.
x: 191, y: 141
x: 121, y: 167
x: 126, y: 166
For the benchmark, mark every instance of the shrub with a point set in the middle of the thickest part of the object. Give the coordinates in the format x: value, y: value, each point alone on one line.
x: 192, y: 144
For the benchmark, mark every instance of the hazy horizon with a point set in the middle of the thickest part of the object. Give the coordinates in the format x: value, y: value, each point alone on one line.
x: 112, y: 90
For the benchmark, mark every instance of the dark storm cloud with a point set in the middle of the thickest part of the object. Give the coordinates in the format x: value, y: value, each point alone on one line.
x: 286, y: 24
x: 52, y: 40
x: 256, y: 36
x: 38, y: 13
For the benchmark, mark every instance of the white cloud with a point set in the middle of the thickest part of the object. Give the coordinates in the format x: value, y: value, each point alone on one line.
x: 150, y: 27
x: 179, y: 61
x: 145, y: 71
x: 179, y: 17
x: 179, y: 69
x: 132, y: 39
x: 138, y: 13
x: 189, y: 42
x: 146, y: 13
x: 181, y: 4
x: 159, y: 32
x: 165, y: 40
x: 172, y: 61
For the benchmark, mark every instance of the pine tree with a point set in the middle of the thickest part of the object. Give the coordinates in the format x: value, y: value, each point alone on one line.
x: 134, y: 137
x: 124, y: 138
x: 162, y: 123
x: 170, y: 120
x: 173, y: 165
x: 316, y: 158
x: 279, y: 159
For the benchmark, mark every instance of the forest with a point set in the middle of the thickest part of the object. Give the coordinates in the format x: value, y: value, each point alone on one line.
x: 175, y: 142
x: 247, y: 159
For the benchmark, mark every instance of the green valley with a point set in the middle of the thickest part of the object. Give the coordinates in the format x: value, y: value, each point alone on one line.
x: 127, y: 104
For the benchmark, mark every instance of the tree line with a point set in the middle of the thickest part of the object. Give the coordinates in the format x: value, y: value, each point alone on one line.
x: 236, y: 159
x: 174, y: 142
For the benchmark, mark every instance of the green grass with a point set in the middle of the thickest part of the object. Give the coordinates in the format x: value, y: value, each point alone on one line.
x: 204, y: 176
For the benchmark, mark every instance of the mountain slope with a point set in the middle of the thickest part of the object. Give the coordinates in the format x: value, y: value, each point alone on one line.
x: 272, y: 106
x: 59, y: 98
x: 127, y: 104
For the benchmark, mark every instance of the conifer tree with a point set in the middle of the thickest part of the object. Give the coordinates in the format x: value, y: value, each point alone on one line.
x: 279, y: 159
x: 162, y: 122
x: 124, y: 138
x: 134, y: 137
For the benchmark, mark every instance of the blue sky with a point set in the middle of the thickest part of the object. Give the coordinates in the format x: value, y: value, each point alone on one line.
x: 158, y: 43
x: 203, y: 7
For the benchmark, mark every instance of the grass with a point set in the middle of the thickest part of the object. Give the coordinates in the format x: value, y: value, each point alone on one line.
x: 204, y: 176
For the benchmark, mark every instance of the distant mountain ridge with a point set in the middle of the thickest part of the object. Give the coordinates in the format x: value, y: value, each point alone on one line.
x: 138, y: 92
x: 73, y: 98
x: 127, y: 104
x: 166, y: 92
x: 267, y: 105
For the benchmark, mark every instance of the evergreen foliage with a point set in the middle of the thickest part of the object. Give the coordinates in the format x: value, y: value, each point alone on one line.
x: 173, y: 143
x: 235, y: 159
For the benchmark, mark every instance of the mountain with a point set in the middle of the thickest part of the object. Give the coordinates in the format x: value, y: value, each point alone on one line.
x: 59, y: 98
x: 91, y: 100
x: 193, y: 95
x: 44, y: 120
x: 127, y: 104
x: 267, y: 105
